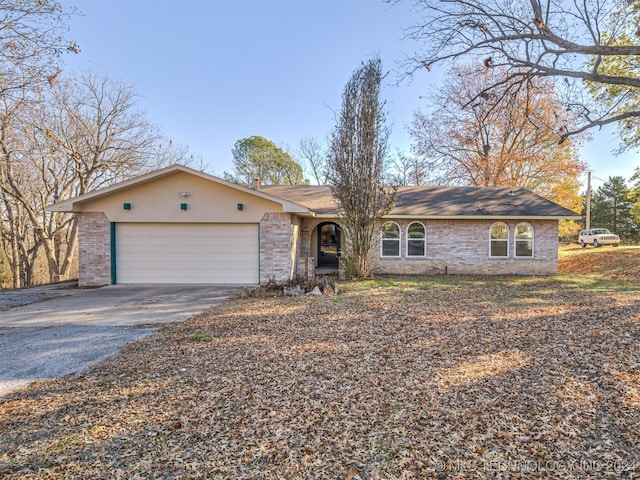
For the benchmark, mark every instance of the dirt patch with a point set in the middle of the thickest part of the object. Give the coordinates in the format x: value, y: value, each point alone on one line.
x: 435, y: 378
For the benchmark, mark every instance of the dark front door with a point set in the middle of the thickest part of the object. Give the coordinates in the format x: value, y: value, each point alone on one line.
x: 328, y: 245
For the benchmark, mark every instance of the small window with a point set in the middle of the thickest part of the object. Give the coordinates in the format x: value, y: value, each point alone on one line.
x: 390, y: 240
x: 416, y: 240
x: 499, y: 240
x: 524, y: 240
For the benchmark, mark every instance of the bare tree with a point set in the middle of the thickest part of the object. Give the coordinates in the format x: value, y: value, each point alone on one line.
x: 578, y: 42
x: 32, y: 38
x: 18, y: 242
x: 405, y: 169
x: 356, y: 165
x: 83, y: 134
x: 314, y: 158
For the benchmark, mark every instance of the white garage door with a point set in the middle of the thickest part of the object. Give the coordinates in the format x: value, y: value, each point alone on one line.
x: 187, y: 253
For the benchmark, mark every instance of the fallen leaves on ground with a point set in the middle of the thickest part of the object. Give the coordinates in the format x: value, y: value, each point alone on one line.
x: 440, y: 377
x: 617, y: 263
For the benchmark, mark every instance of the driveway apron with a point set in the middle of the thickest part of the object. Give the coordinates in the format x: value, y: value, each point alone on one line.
x: 67, y: 331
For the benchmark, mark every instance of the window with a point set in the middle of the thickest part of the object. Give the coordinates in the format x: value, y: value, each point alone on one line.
x: 390, y: 240
x: 416, y: 240
x: 499, y: 240
x: 524, y: 240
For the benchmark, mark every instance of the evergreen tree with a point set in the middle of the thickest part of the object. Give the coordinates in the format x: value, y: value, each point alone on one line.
x: 611, y: 208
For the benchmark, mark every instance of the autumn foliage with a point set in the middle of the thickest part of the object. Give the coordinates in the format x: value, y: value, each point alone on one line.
x: 482, y: 136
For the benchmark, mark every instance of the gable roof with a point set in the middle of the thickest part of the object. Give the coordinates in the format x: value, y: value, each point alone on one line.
x: 415, y: 201
x: 72, y: 204
x: 437, y: 202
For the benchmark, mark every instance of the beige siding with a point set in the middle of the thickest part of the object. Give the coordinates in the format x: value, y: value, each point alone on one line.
x: 159, y: 201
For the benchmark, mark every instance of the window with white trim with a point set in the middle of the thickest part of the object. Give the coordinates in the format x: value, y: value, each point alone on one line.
x: 524, y: 240
x: 499, y: 240
x: 390, y: 240
x: 416, y: 240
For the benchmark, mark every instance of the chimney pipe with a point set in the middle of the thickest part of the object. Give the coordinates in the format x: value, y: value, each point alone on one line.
x: 257, y: 183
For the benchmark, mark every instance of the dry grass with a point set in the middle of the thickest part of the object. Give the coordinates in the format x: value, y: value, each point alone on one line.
x: 437, y: 377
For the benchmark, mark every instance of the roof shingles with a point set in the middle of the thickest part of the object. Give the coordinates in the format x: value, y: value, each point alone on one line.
x: 435, y: 201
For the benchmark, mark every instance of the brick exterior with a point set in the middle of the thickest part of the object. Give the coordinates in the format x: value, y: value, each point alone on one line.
x: 453, y: 247
x: 462, y: 247
x: 307, y: 260
x: 94, y: 249
x: 280, y: 245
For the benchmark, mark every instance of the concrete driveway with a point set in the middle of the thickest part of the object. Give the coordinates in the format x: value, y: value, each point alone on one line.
x: 68, y: 330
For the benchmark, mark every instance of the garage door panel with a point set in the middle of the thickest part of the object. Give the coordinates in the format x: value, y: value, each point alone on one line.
x: 187, y: 253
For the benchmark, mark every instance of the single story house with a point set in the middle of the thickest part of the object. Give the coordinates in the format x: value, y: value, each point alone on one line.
x: 179, y: 225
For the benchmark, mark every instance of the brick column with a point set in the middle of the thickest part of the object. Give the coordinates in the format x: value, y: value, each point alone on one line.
x: 94, y: 249
x: 278, y: 239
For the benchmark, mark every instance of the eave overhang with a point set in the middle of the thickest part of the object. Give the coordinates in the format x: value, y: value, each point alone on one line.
x: 467, y: 217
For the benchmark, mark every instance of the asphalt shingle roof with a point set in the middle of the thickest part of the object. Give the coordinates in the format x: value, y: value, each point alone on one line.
x: 437, y: 201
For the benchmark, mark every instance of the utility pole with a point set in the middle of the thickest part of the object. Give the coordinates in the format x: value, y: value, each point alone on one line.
x: 588, y: 215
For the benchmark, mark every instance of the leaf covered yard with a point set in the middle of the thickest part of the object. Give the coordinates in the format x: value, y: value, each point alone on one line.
x: 435, y: 377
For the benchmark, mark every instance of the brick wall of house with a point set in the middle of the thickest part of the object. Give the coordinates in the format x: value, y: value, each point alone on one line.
x: 94, y: 249
x: 462, y: 247
x: 279, y: 246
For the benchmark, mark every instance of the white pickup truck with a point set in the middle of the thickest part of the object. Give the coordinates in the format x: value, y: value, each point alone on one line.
x: 597, y: 237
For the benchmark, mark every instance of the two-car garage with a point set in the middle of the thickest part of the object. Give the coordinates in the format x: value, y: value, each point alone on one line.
x: 217, y: 253
x: 177, y: 225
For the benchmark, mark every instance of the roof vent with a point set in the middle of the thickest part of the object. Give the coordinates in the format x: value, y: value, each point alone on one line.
x: 257, y: 183
x: 511, y: 193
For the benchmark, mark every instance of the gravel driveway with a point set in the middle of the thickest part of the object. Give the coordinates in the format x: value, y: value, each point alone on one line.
x: 47, y: 332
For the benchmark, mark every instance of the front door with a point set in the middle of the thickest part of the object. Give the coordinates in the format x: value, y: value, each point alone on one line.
x: 328, y: 245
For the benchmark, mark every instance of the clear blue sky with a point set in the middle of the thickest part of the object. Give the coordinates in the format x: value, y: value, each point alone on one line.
x: 211, y: 72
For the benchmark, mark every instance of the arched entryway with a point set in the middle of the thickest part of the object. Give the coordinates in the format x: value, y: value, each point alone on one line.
x: 329, y: 243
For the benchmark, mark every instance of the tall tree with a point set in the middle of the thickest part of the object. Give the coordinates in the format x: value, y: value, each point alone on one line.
x: 357, y: 154
x: 81, y: 135
x: 532, y: 39
x: 611, y: 208
x: 258, y: 158
x: 32, y: 38
x: 503, y: 138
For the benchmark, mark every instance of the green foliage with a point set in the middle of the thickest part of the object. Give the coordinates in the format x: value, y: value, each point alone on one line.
x: 617, y: 97
x: 635, y: 195
x: 611, y: 207
x: 200, y: 337
x: 258, y: 158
